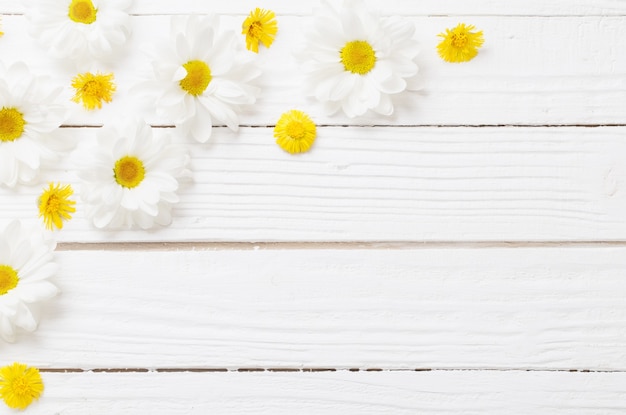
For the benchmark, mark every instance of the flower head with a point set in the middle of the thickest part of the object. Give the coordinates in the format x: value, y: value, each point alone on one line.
x: 92, y: 89
x: 131, y: 177
x: 355, y: 60
x: 30, y: 117
x: 295, y: 132
x: 55, y: 205
x: 203, y: 77
x: 259, y: 26
x: 79, y: 29
x: 26, y: 265
x: 460, y: 44
x: 20, y: 385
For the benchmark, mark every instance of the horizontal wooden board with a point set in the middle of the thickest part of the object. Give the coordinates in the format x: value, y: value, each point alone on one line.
x: 396, y: 7
x: 383, y: 184
x: 534, y: 71
x: 470, y: 393
x: 525, y: 308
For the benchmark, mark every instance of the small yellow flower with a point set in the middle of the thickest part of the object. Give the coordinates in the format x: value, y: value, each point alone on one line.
x: 20, y: 385
x: 460, y: 44
x: 1, y: 32
x: 259, y: 26
x: 295, y: 132
x: 55, y: 205
x: 92, y: 89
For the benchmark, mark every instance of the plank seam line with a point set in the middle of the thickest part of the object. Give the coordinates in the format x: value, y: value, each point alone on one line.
x: 524, y: 16
x: 347, y: 245
x: 312, y: 369
x: 390, y: 125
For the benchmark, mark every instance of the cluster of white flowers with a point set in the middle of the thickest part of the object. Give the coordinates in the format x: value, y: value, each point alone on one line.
x: 353, y: 60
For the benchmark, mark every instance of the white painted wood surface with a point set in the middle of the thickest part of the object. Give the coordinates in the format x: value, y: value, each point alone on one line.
x: 530, y: 71
x: 450, y: 393
x: 497, y: 308
x: 524, y: 144
x: 385, y: 184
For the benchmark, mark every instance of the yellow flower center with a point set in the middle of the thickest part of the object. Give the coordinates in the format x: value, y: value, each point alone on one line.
x: 21, y: 387
x: 11, y: 124
x: 358, y: 56
x: 129, y: 172
x: 256, y: 30
x: 82, y: 11
x: 8, y: 279
x: 459, y: 40
x: 295, y: 130
x: 197, y: 79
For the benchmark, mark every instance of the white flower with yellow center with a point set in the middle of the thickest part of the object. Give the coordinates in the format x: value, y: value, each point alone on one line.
x: 79, y: 29
x: 131, y: 177
x: 26, y: 264
x: 30, y: 117
x: 354, y: 60
x: 203, y: 77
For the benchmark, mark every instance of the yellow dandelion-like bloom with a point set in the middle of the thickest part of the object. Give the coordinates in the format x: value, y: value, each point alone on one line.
x: 295, y: 132
x: 259, y: 26
x: 92, y: 89
x: 1, y: 32
x: 20, y: 385
x: 55, y: 205
x: 460, y: 44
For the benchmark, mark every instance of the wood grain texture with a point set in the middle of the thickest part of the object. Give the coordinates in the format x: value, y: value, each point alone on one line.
x: 453, y: 393
x: 542, y: 309
x: 533, y: 71
x: 394, y: 7
x: 382, y: 184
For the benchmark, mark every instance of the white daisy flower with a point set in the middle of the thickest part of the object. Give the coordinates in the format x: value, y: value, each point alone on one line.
x: 79, y: 29
x: 131, y: 177
x: 203, y: 77
x: 29, y: 124
x: 355, y: 60
x: 26, y: 264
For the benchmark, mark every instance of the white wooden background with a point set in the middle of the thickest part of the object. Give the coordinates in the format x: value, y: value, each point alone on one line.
x: 466, y: 256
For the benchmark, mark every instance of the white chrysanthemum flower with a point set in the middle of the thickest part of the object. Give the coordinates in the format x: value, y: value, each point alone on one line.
x: 80, y: 29
x: 26, y: 264
x: 203, y: 77
x: 131, y: 177
x: 30, y: 117
x: 355, y: 60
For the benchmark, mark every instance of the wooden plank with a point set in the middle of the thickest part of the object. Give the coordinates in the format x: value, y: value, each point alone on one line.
x: 395, y: 7
x: 383, y: 184
x: 472, y: 393
x: 525, y: 308
x: 531, y: 71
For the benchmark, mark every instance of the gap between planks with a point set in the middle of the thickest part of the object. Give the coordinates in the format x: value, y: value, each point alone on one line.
x: 306, y: 370
x: 390, y: 125
x: 243, y: 246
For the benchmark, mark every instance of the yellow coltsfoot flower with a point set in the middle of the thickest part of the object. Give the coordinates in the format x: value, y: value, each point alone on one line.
x: 295, y: 132
x: 55, y: 207
x: 259, y: 26
x: 20, y: 385
x: 460, y: 44
x: 93, y: 89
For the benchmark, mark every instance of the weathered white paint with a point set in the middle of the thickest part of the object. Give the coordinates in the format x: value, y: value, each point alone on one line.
x: 544, y: 308
x: 449, y: 393
x: 384, y: 184
x: 535, y: 71
x: 524, y: 308
x: 532, y: 8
